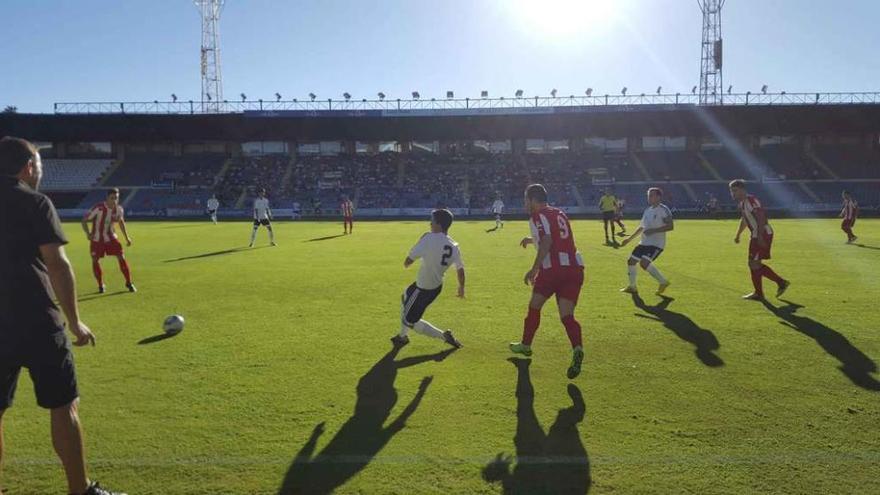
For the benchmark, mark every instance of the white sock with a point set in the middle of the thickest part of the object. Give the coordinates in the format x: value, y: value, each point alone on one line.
x: 656, y: 273
x: 428, y: 330
x: 254, y: 235
x: 633, y: 273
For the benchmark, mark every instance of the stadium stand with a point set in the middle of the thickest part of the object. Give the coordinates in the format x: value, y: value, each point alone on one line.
x: 73, y: 174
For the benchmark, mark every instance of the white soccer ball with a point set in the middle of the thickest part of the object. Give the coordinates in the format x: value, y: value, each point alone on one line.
x: 173, y: 324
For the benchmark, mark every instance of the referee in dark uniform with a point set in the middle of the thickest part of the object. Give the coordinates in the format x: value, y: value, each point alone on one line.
x: 33, y: 272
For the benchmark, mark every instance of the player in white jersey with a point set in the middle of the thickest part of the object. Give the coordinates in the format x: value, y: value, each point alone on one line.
x: 438, y: 252
x: 262, y: 216
x: 656, y: 222
x: 212, y: 206
x: 498, y: 209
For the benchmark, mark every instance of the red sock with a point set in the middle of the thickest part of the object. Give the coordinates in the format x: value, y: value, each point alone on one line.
x: 769, y: 273
x: 757, y: 282
x: 530, y: 325
x: 573, y: 329
x: 96, y: 269
x: 123, y: 267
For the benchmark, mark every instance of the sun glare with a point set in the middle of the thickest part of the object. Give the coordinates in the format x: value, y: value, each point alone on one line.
x: 550, y: 18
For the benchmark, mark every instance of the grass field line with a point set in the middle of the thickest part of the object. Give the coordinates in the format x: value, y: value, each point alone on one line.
x: 814, y: 457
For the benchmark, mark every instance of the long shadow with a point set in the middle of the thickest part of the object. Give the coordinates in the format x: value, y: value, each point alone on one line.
x: 683, y: 327
x: 857, y: 366
x: 326, y: 238
x: 493, y: 229
x: 98, y: 295
x: 215, y: 253
x: 552, y: 463
x: 156, y: 338
x: 865, y: 246
x: 363, y: 435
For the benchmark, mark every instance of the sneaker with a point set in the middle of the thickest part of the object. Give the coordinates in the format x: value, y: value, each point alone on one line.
x: 630, y: 290
x: 400, y: 340
x: 754, y: 296
x: 520, y: 348
x: 662, y: 288
x: 131, y: 287
x: 95, y: 489
x: 782, y: 288
x: 447, y: 336
x: 855, y: 238
x: 101, y: 289
x: 577, y: 357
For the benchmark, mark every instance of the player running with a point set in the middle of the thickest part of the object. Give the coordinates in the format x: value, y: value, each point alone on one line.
x: 608, y: 206
x: 98, y: 226
x: 498, y: 209
x: 656, y: 222
x: 557, y: 269
x: 438, y: 252
x: 262, y: 216
x: 347, y: 209
x: 755, y: 218
x: 849, y: 213
x: 618, y: 216
x: 212, y: 206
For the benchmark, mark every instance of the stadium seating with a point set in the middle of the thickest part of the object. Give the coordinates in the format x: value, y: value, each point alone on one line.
x: 73, y: 175
x: 145, y: 169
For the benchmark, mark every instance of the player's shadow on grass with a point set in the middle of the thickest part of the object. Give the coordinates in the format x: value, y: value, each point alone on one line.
x: 325, y: 238
x: 363, y: 435
x: 493, y: 229
x: 215, y: 253
x: 865, y: 246
x: 156, y: 338
x: 98, y: 295
x: 684, y: 328
x: 555, y: 462
x: 857, y: 366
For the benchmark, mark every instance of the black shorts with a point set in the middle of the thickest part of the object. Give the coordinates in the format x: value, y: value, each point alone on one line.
x: 650, y: 252
x: 498, y: 216
x: 414, y: 303
x: 210, y: 212
x: 50, y: 364
x: 608, y: 215
x: 264, y: 221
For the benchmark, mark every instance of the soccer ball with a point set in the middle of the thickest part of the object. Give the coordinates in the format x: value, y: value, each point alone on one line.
x: 173, y: 324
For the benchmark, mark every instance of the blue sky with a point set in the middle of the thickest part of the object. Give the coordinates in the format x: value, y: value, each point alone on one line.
x: 102, y: 50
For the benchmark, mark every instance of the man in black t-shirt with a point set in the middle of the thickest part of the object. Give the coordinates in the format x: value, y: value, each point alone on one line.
x: 34, y: 271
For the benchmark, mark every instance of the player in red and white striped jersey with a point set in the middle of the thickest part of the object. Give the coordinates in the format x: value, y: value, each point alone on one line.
x: 755, y: 218
x: 849, y: 213
x: 558, y: 269
x: 347, y: 209
x: 98, y: 226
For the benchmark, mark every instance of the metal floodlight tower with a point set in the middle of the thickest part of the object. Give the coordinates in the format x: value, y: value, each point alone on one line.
x: 711, y: 80
x: 212, y: 80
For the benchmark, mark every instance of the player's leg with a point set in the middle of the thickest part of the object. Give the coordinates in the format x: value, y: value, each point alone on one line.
x: 406, y: 302
x: 566, y: 301
x: 254, y: 233
x: 632, y: 272
x: 126, y: 271
x: 647, y: 264
x: 214, y: 217
x: 268, y: 225
x: 530, y: 324
x: 755, y: 269
x: 8, y: 382
x: 605, y: 224
x: 67, y: 439
x: 611, y: 222
x: 96, y: 271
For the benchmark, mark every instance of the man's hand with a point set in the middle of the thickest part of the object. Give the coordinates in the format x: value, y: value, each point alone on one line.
x: 461, y: 291
x: 526, y: 241
x: 625, y: 241
x: 530, y: 277
x: 89, y: 236
x: 736, y: 240
x: 128, y: 241
x: 83, y: 334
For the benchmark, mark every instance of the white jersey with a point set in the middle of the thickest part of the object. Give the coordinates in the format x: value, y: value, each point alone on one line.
x: 654, y: 218
x: 497, y: 207
x: 438, y: 252
x: 261, y: 209
x: 213, y: 204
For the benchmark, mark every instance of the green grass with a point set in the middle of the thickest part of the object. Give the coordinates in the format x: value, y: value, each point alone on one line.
x: 277, y: 340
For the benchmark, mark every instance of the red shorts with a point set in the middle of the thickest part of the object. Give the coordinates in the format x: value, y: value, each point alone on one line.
x: 756, y: 252
x: 348, y: 219
x: 566, y: 283
x: 847, y: 223
x: 100, y: 249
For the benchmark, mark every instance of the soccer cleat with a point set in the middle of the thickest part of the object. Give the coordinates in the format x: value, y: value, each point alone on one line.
x: 273, y: 243
x: 782, y: 288
x: 520, y: 348
x: 631, y: 290
x: 662, y: 288
x: 95, y: 489
x: 400, y: 340
x: 754, y: 296
x: 449, y: 339
x: 101, y: 289
x: 251, y: 245
x: 577, y: 357
x: 131, y: 287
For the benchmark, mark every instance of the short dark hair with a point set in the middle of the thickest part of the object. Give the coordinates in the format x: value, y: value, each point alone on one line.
x: 443, y: 218
x: 737, y: 184
x: 536, y: 192
x: 655, y: 190
x: 846, y: 193
x: 113, y: 190
x: 15, y: 153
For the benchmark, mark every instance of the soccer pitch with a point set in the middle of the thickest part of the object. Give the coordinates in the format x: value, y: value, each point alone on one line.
x: 282, y: 381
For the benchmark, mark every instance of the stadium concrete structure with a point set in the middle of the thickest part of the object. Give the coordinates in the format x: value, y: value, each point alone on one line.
x: 402, y: 157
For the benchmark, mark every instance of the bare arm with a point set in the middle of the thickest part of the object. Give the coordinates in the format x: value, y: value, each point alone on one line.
x: 739, y: 231
x: 460, y: 274
x: 64, y: 284
x: 633, y: 236
x: 124, y: 231
x: 408, y: 261
x: 85, y: 227
x: 543, y: 250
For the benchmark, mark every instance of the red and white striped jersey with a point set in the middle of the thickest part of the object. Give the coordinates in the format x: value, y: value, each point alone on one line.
x: 850, y: 209
x: 750, y: 209
x: 103, y: 218
x: 347, y: 209
x: 553, y: 222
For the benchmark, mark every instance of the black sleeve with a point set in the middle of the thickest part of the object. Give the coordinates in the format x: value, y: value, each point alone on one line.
x: 45, y: 224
